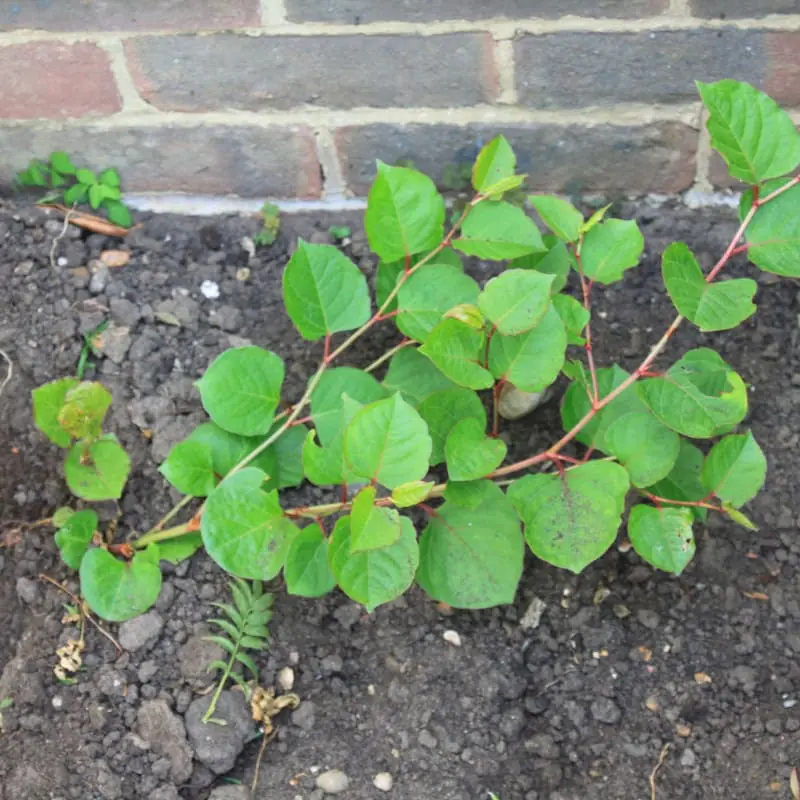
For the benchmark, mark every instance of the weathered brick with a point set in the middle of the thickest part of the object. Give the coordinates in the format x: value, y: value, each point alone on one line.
x: 783, y: 67
x: 334, y: 71
x: 636, y: 159
x: 355, y: 12
x: 743, y: 8
x: 52, y: 80
x: 718, y: 174
x: 573, y: 70
x: 118, y: 15
x: 242, y: 160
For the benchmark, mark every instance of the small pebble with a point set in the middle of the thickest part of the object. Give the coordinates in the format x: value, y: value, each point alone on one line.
x: 58, y: 702
x: 452, y: 637
x: 209, y: 290
x: 286, y: 679
x: 383, y: 781
x: 334, y: 781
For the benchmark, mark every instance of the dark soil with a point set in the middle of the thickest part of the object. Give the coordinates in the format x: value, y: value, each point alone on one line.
x: 577, y: 707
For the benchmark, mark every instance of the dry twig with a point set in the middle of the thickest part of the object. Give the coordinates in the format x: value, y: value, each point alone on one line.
x: 661, y: 759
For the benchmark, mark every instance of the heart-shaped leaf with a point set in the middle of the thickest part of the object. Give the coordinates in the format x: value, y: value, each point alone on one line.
x: 442, y: 410
x: 75, y: 536
x: 97, y: 471
x: 190, y: 468
x: 48, y: 400
x: 117, y: 590
x: 306, y: 571
x: 372, y: 527
x: 662, y: 536
x: 470, y: 454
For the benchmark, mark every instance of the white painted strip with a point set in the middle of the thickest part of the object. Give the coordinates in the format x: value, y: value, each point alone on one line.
x: 196, y: 205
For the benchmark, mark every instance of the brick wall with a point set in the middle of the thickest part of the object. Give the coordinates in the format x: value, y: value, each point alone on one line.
x: 296, y: 99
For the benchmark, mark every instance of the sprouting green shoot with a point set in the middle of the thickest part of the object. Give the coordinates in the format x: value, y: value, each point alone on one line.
x: 89, y: 348
x: 245, y: 629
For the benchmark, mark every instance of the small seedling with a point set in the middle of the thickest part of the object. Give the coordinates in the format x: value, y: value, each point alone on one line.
x: 272, y: 225
x: 245, y: 628
x: 339, y: 232
x: 89, y: 348
x: 64, y: 182
x: 655, y: 449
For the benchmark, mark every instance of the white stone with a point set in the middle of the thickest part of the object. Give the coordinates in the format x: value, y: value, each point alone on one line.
x: 209, y: 290
x: 452, y: 637
x: 383, y: 781
x: 286, y: 679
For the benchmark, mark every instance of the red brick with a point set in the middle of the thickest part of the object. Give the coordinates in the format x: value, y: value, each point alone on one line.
x: 729, y: 9
x: 280, y: 72
x: 783, y: 71
x: 51, y: 80
x: 122, y: 15
x: 574, y: 159
x: 242, y: 160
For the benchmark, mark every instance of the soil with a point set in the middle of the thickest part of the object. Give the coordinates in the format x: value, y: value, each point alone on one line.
x: 624, y: 660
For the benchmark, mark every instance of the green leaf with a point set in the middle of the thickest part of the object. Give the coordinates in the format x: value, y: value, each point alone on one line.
x: 373, y: 577
x: 326, y: 466
x: 85, y: 176
x: 61, y: 516
x: 109, y: 177
x: 571, y: 520
x: 288, y: 449
x: 739, y: 518
x: 190, y: 468
x: 372, y: 527
x: 227, y: 645
x: 327, y: 399
x: 61, y: 161
x: 574, y: 316
x: 245, y: 659
x: 228, y: 449
x: 497, y: 190
x: 774, y: 234
x: 85, y: 407
x: 75, y: 194
x: 610, y: 248
x: 498, y: 231
x: 516, y: 300
x: 75, y: 536
x: 559, y: 215
x: 411, y: 493
x: 389, y: 273
x: 662, y: 536
x: 96, y: 195
x: 179, y: 549
x: 427, y: 294
x: 405, y: 213
x: 118, y: 591
x: 625, y: 428
x: 735, y: 469
x: 683, y: 482
x: 457, y: 350
x: 324, y: 291
x: 416, y: 376
x: 468, y: 314
x: 226, y: 626
x: 97, y: 471
x: 595, y: 219
x: 118, y: 213
x: 757, y: 139
x: 468, y: 494
x: 557, y: 261
x: 532, y: 360
x: 48, y: 400
x: 306, y: 571
x: 388, y: 442
x: 241, y: 389
x: 495, y: 162
x: 244, y: 529
x: 443, y: 409
x: 699, y: 396
x: 711, y: 306
x: 470, y: 454
x: 643, y: 445
x: 472, y: 557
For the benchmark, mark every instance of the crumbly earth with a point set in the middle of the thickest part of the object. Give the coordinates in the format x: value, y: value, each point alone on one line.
x: 624, y: 660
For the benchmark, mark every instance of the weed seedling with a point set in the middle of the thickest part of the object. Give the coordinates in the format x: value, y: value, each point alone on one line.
x: 656, y: 449
x: 271, y: 227
x: 64, y: 182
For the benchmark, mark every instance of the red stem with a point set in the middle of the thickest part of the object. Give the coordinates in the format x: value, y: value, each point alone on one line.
x: 326, y: 355
x: 498, y: 387
x: 586, y: 289
x: 689, y: 503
